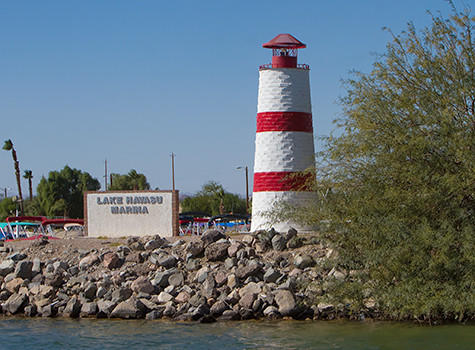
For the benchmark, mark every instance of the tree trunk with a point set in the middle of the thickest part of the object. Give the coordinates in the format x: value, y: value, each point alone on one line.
x: 17, y: 173
x: 31, y: 188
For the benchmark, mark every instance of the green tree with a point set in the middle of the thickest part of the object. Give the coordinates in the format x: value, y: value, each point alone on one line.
x: 7, y: 208
x: 131, y: 181
x: 61, y: 194
x: 214, y: 200
x: 8, y: 146
x: 397, y: 185
x: 28, y: 174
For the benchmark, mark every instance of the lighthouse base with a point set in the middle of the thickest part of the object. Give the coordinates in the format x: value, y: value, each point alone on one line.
x: 266, y: 205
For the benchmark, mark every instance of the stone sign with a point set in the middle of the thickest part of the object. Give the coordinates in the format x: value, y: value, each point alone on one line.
x: 131, y: 213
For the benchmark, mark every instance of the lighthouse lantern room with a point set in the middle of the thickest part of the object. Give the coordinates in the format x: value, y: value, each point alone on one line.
x: 284, y: 135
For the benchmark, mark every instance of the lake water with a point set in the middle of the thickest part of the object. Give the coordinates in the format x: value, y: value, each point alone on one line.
x: 22, y: 333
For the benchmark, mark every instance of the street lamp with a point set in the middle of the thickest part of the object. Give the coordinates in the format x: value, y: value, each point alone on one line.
x: 5, y: 189
x: 247, y: 188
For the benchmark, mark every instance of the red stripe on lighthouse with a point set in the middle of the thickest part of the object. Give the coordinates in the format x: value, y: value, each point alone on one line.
x: 284, y: 121
x: 282, y: 181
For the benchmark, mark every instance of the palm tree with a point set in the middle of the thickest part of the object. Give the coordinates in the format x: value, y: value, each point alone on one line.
x: 28, y: 174
x: 8, y: 146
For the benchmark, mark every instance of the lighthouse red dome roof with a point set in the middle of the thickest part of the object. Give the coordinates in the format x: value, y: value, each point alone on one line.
x: 284, y: 41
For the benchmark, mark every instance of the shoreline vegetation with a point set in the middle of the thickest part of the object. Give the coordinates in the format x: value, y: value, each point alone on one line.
x: 209, y: 278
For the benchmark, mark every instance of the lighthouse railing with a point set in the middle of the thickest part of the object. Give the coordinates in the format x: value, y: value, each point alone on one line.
x: 299, y: 66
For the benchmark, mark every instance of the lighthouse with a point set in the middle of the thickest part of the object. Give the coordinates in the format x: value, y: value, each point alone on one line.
x: 284, y: 135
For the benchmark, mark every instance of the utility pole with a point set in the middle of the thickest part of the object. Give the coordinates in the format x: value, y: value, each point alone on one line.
x: 247, y: 187
x: 173, y: 171
x: 105, y: 175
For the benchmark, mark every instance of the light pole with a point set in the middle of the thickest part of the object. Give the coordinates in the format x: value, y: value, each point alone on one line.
x: 5, y: 189
x: 247, y: 188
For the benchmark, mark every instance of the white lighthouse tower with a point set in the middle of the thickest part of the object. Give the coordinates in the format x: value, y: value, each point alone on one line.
x: 284, y: 135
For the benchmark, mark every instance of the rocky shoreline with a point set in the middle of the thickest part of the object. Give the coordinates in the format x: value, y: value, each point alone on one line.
x: 212, y: 278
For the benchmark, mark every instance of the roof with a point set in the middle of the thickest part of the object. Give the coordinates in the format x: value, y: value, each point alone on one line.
x: 284, y: 41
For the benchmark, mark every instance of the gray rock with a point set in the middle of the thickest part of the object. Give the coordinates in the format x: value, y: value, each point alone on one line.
x: 170, y: 310
x: 243, y: 272
x: 193, y: 264
x: 247, y: 300
x: 73, y: 308
x: 49, y: 310
x: 229, y: 263
x: 112, y: 261
x: 176, y: 279
x: 216, y: 251
x: 129, y: 309
x: 154, y: 244
x: 36, y: 268
x: 105, y: 308
x: 285, y: 301
x: 278, y: 242
x: 229, y: 315
x: 303, y: 261
x: 295, y: 242
x: 121, y: 294
x: 155, y: 314
x: 163, y: 259
x: 200, y: 311
x: 88, y: 261
x: 196, y: 300
x: 15, y: 303
x: 88, y: 309
x: 250, y: 288
x: 6, y: 267
x: 211, y: 236
x: 30, y: 311
x: 271, y: 275
x: 101, y: 291
x: 161, y: 278
x: 142, y: 285
x: 16, y: 256
x: 164, y: 297
x: 208, y: 287
x: 270, y: 311
x: 90, y: 291
x: 201, y: 274
x: 218, y: 308
x: 60, y: 265
x: 291, y: 233
x: 195, y: 249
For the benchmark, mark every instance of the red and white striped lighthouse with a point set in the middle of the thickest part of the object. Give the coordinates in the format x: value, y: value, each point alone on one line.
x: 284, y: 135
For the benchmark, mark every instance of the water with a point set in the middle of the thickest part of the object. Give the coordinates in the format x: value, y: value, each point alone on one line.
x: 19, y: 333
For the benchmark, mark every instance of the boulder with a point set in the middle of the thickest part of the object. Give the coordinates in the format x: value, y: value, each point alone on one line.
x: 291, y: 233
x: 285, y: 301
x: 211, y: 236
x: 88, y: 309
x: 218, y: 308
x: 88, y: 261
x: 73, y: 308
x: 105, y: 308
x: 271, y: 275
x: 161, y: 278
x: 176, y: 279
x: 164, y: 297
x: 182, y: 297
x: 271, y: 311
x: 6, y: 267
x: 129, y: 309
x: 14, y: 285
x: 15, y: 303
x: 163, y: 259
x: 234, y: 248
x: 247, y: 299
x: 243, y: 272
x: 90, y: 291
x: 17, y: 256
x: 216, y: 251
x: 295, y: 242
x: 154, y: 244
x: 250, y: 288
x: 142, y: 285
x: 303, y: 261
x: 195, y: 249
x: 278, y: 242
x: 229, y: 315
x: 112, y: 261
x: 121, y: 294
x: 155, y: 314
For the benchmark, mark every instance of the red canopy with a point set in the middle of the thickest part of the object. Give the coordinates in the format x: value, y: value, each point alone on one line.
x: 284, y: 41
x: 25, y: 218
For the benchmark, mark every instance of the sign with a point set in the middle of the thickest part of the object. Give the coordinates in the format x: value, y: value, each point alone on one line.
x: 131, y: 213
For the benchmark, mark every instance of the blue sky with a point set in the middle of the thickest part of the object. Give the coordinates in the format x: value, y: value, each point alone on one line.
x: 133, y: 81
